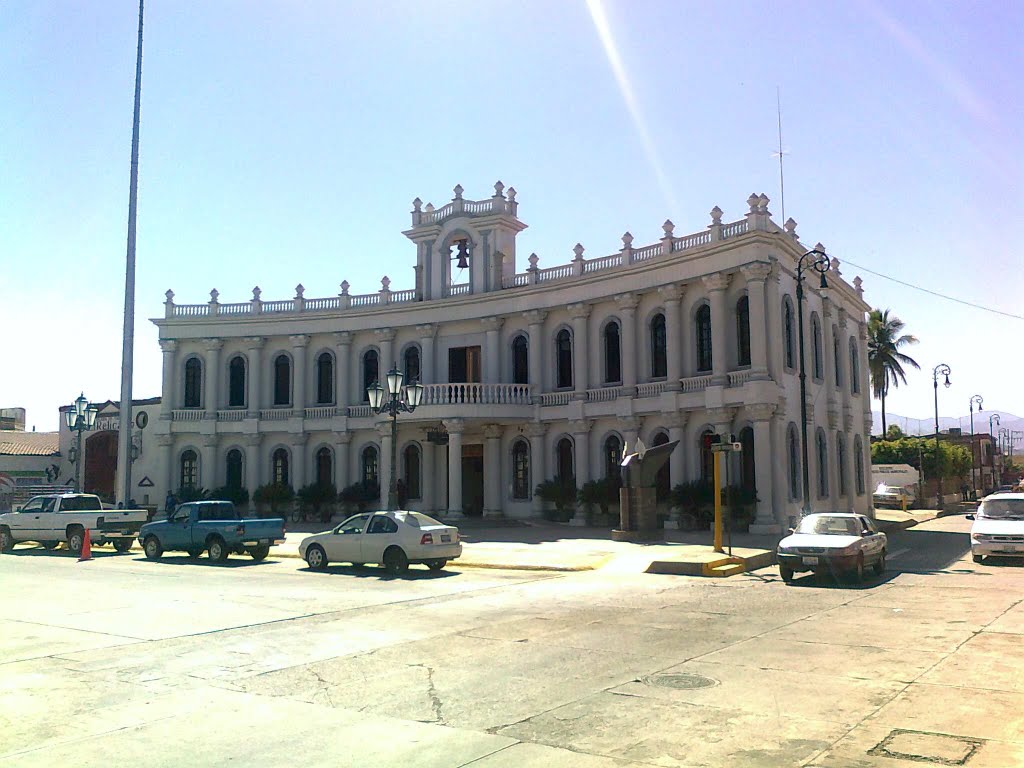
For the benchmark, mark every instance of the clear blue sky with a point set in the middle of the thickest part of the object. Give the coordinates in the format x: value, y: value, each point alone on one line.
x: 282, y: 142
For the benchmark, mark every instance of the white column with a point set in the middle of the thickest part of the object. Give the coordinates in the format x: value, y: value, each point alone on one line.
x: 780, y: 467
x: 492, y: 349
x: 428, y: 374
x: 253, y: 463
x: 672, y: 294
x: 299, y: 344
x: 677, y: 459
x: 581, y: 450
x: 298, y: 467
x: 827, y: 316
x: 851, y: 487
x: 773, y: 311
x: 756, y: 274
x: 627, y: 341
x: 208, y: 468
x: 342, y: 440
x: 212, y: 364
x: 868, y: 500
x: 168, y: 398
x: 429, y: 481
x: 865, y: 378
x: 255, y: 374
x: 716, y: 285
x: 167, y: 462
x: 343, y: 368
x: 535, y: 319
x: 454, y: 427
x: 537, y: 433
x: 384, y: 431
x: 385, y: 337
x: 580, y: 349
x: 492, y: 471
x: 764, y: 457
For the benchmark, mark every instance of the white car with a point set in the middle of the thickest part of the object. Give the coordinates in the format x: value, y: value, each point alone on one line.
x: 393, y: 539
x: 891, y: 497
x: 998, y: 529
x: 833, y: 542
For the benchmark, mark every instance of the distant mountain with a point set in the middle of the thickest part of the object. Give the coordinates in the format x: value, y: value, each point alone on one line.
x: 926, y: 426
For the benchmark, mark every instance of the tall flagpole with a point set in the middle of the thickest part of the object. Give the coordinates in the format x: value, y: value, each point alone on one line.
x: 124, y: 435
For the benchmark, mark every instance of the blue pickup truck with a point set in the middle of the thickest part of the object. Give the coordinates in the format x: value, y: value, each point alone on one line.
x: 214, y: 526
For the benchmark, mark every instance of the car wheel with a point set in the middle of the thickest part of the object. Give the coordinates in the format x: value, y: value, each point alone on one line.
x: 786, y: 573
x: 880, y: 565
x: 50, y: 545
x: 217, y: 549
x: 151, y: 546
x: 122, y: 545
x: 436, y: 565
x: 977, y: 558
x: 316, y: 558
x: 260, y: 552
x: 75, y: 541
x: 6, y: 540
x: 395, y: 560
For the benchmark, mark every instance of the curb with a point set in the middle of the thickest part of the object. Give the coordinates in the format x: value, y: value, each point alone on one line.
x: 458, y: 562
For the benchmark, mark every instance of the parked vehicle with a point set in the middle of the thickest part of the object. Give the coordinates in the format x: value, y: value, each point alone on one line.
x: 393, y: 539
x: 892, y: 497
x: 52, y: 518
x: 833, y: 542
x: 998, y: 529
x: 214, y: 526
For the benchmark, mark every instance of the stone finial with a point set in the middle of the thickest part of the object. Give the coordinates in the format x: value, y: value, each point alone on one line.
x: 458, y: 192
x: 668, y: 227
x: 169, y: 296
x: 790, y: 226
x: 762, y: 204
x: 213, y: 296
x: 344, y: 288
x: 299, y: 291
x: 858, y: 285
x: 429, y: 208
x: 416, y: 204
x: 627, y: 240
x: 385, y: 283
x: 716, y: 215
x: 835, y: 267
x: 533, y: 261
x: 512, y: 194
x: 256, y: 292
x: 499, y: 189
x: 578, y: 250
x: 754, y: 202
x: 819, y: 247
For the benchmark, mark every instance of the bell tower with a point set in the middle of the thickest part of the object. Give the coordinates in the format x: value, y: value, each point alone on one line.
x: 466, y: 246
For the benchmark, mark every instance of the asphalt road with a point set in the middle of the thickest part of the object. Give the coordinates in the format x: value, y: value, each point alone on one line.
x: 124, y: 661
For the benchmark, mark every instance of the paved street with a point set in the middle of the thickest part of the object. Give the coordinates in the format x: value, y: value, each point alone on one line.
x: 123, y: 661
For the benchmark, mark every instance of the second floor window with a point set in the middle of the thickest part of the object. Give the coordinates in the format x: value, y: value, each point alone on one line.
x: 371, y: 372
x: 837, y: 363
x: 612, y: 354
x: 520, y: 360
x: 817, y: 364
x: 282, y: 380
x: 854, y: 369
x: 787, y: 334
x: 193, y: 383
x: 411, y: 364
x: 659, y: 347
x: 324, y: 379
x: 703, y: 322
x: 743, y: 331
x: 563, y: 352
x: 236, y: 382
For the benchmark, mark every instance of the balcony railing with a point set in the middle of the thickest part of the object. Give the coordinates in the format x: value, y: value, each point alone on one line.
x: 188, y: 414
x: 695, y: 383
x: 739, y: 378
x: 275, y: 414
x: 603, y: 394
x: 650, y: 389
x: 321, y: 412
x: 476, y: 394
x: 556, y: 398
x: 231, y: 414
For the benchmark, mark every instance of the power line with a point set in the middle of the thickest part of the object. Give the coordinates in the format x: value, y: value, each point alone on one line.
x: 936, y: 293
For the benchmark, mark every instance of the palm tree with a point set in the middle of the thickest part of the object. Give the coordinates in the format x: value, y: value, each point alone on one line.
x: 885, y: 361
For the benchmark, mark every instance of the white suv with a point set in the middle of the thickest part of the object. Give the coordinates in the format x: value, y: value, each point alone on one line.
x: 998, y: 529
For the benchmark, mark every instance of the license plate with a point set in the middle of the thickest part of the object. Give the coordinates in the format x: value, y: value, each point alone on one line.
x: 446, y: 538
x: 810, y: 560
x: 1010, y: 550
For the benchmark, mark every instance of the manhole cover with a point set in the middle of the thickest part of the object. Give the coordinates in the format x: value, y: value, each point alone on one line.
x: 685, y: 682
x: 934, y: 748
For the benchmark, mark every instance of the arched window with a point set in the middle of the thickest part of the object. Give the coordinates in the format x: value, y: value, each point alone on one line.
x: 520, y: 470
x: 279, y: 467
x: 663, y: 478
x: 612, y: 456
x: 703, y: 324
x: 411, y: 474
x: 743, y: 331
x: 563, y: 351
x: 193, y: 382
x: 612, y: 354
x: 520, y: 360
x: 787, y: 334
x: 837, y: 362
x: 282, y: 380
x: 854, y: 368
x: 841, y: 462
x: 858, y: 464
x: 707, y: 458
x: 793, y: 451
x: 324, y: 466
x: 822, y: 444
x: 189, y: 469
x: 748, y: 478
x: 324, y: 379
x: 565, y: 472
x: 817, y: 363
x: 369, y: 457
x: 659, y: 347
x: 411, y: 367
x: 234, y: 469
x: 236, y: 382
x: 371, y: 372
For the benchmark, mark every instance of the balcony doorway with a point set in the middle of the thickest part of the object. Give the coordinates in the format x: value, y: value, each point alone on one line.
x: 464, y: 365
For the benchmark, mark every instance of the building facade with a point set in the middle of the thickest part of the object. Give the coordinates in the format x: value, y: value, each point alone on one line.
x: 530, y: 373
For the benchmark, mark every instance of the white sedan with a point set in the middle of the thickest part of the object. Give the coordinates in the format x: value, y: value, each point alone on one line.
x: 834, y: 542
x: 998, y: 529
x: 393, y: 539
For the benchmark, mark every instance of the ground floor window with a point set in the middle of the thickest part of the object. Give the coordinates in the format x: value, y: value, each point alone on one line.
x: 520, y: 470
x: 189, y: 469
x: 279, y: 467
x: 412, y: 481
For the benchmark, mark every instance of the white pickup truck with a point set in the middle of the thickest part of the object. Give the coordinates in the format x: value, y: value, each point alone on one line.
x: 53, y: 518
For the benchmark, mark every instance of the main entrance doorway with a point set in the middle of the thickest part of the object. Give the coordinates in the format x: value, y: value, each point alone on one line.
x: 473, y: 479
x: 100, y: 464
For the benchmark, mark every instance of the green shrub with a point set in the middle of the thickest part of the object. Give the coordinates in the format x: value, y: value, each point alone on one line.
x: 318, y: 498
x: 191, y: 493
x: 603, y: 493
x: 560, y: 493
x: 359, y: 496
x: 276, y: 495
x: 237, y: 496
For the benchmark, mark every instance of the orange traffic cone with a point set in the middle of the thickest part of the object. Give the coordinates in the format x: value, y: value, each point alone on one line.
x: 86, y: 548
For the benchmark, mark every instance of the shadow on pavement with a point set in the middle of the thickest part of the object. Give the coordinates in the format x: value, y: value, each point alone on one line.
x: 39, y: 551
x: 241, y: 561
x: 415, y: 573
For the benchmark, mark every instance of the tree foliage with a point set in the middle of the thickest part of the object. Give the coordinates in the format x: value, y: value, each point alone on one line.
x: 885, y: 361
x: 954, y: 460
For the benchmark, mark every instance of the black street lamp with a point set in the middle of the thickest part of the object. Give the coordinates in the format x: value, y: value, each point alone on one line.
x: 81, y: 417
x: 939, y: 370
x: 820, y: 263
x: 974, y: 485
x: 397, y: 399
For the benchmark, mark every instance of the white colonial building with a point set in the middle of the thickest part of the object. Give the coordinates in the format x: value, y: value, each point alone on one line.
x: 531, y: 373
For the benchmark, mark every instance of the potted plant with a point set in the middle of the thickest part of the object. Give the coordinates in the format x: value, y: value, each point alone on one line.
x: 236, y: 495
x: 562, y: 495
x: 275, y: 497
x: 359, y: 496
x: 191, y: 493
x: 696, y: 503
x: 602, y: 494
x: 318, y: 498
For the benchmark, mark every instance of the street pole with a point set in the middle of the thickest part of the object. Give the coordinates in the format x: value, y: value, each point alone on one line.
x: 124, y: 432
x: 392, y: 481
x: 945, y: 371
x: 821, y: 263
x: 78, y: 462
x: 974, y: 485
x: 394, y: 400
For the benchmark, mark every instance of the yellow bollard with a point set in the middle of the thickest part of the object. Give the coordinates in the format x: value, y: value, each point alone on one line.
x: 718, y: 502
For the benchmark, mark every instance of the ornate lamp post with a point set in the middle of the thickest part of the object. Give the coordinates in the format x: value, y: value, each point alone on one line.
x: 397, y: 399
x: 996, y: 473
x: 820, y: 263
x: 974, y: 485
x: 939, y: 370
x: 81, y: 417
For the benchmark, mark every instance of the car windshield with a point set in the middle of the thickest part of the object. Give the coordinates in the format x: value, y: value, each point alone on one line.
x: 828, y: 525
x: 1002, y: 509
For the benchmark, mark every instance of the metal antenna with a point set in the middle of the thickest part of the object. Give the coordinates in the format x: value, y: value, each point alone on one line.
x: 780, y: 153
